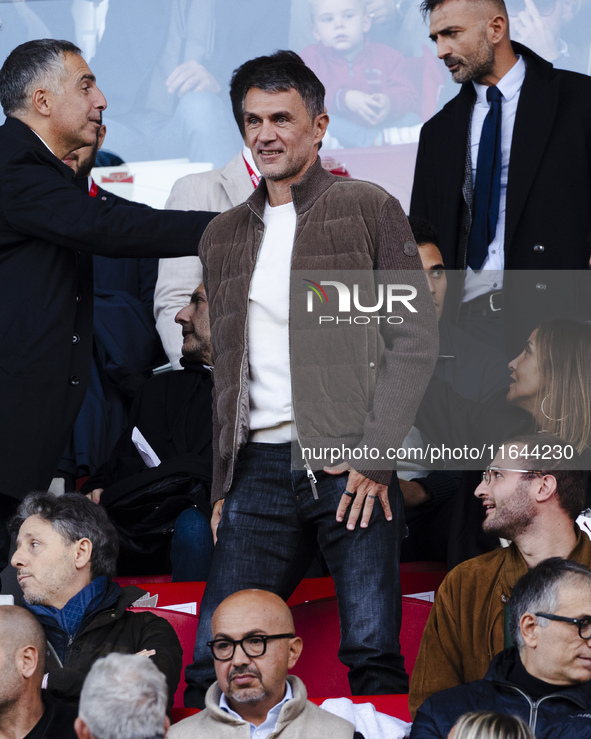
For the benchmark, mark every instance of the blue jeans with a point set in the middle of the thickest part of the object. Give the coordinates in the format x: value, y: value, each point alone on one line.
x: 191, y: 550
x: 271, y: 525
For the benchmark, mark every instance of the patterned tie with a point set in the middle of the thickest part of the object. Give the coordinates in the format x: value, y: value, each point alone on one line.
x: 487, y: 189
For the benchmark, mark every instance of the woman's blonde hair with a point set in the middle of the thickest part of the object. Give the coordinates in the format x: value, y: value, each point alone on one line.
x: 563, y: 349
x: 491, y: 725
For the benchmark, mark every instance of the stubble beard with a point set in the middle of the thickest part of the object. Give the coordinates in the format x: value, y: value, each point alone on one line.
x: 514, y: 518
x: 246, y: 695
x: 475, y: 68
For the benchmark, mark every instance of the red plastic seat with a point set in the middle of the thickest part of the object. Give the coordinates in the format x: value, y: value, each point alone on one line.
x: 415, y: 577
x: 185, y: 626
x: 393, y: 705
x: 317, y: 622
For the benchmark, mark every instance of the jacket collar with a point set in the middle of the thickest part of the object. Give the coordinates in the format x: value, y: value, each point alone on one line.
x: 304, y: 193
x: 502, y: 664
x: 24, y: 133
x: 289, y: 711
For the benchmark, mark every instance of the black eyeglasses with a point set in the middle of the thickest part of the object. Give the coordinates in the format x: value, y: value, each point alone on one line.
x: 584, y: 624
x: 252, y: 646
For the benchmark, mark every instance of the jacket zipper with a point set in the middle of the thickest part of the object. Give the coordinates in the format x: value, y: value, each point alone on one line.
x: 533, y: 705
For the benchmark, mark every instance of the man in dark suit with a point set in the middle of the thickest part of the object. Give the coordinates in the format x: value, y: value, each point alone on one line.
x: 49, y: 228
x: 544, y: 203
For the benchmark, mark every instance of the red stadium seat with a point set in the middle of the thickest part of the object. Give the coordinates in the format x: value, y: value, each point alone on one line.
x: 185, y: 626
x: 415, y: 577
x: 317, y: 622
x: 178, y: 714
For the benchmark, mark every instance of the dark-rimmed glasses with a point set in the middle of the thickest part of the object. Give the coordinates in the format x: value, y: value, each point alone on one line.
x: 252, y: 646
x: 584, y: 624
x: 487, y: 477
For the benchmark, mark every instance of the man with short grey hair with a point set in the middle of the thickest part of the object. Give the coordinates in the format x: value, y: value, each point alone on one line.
x: 49, y: 230
x: 124, y: 697
x: 66, y: 552
x: 545, y: 679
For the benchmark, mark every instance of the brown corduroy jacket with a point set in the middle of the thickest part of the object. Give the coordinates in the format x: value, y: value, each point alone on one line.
x: 342, y: 224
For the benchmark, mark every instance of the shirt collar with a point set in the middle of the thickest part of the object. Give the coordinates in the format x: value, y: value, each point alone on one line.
x: 509, y: 85
x: 273, y: 713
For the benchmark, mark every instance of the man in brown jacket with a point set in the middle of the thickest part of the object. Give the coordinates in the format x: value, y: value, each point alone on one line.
x: 273, y: 393
x: 536, y: 509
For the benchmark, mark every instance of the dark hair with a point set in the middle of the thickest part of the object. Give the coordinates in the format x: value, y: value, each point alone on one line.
x: 570, y: 479
x: 279, y: 72
x: 32, y: 63
x: 423, y: 231
x: 75, y: 517
x: 537, y: 591
x: 240, y: 82
x: 428, y: 6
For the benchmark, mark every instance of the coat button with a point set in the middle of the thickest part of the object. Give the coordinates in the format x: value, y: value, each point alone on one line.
x: 75, y: 339
x: 372, y: 365
x: 541, y: 286
x: 78, y: 298
x: 104, y: 197
x: 74, y: 381
x: 409, y: 248
x: 504, y: 598
x: 538, y: 248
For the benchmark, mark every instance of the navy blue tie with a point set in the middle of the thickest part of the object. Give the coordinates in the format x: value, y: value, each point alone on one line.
x: 487, y: 188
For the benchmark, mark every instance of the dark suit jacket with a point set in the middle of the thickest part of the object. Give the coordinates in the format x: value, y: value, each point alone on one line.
x: 548, y: 191
x: 49, y: 228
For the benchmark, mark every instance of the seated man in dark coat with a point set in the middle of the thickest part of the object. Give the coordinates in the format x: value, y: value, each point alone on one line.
x: 166, y: 451
x: 65, y: 556
x: 545, y: 679
x: 25, y: 709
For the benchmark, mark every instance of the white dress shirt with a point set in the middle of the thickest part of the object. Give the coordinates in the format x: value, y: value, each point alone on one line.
x: 263, y: 730
x: 491, y: 276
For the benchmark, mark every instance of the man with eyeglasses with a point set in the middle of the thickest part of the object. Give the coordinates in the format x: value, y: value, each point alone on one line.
x: 545, y: 678
x: 530, y: 501
x: 253, y: 646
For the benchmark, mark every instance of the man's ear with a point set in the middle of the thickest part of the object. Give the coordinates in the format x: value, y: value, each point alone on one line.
x: 497, y: 28
x: 27, y: 659
x: 83, y: 552
x: 295, y: 649
x: 41, y: 102
x: 81, y: 729
x: 320, y: 125
x: 528, y: 626
x: 547, y: 488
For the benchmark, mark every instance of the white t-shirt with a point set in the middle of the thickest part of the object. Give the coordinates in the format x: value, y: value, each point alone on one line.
x: 268, y: 333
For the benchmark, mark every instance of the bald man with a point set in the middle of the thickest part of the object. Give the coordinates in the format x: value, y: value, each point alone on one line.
x: 26, y: 711
x: 254, y: 645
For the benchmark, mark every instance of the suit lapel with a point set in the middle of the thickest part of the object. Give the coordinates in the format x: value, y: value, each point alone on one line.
x: 534, y: 120
x: 454, y: 163
x: 236, y: 180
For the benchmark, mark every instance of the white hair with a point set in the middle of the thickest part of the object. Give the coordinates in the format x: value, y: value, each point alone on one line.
x: 124, y: 697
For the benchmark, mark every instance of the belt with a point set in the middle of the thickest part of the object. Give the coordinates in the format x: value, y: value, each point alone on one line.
x: 484, y: 304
